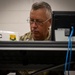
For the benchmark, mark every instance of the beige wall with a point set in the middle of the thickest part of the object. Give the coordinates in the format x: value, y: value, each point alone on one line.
x: 14, y: 13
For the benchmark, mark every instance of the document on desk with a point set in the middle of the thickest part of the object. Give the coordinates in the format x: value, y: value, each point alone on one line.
x: 11, y: 74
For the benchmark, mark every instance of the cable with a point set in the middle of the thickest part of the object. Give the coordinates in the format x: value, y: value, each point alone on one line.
x: 69, y: 51
x: 50, y: 68
x: 70, y: 48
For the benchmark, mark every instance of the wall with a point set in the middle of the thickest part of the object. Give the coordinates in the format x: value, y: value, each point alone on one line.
x: 14, y: 13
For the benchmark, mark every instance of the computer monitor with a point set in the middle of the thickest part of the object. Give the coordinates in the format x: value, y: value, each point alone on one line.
x: 62, y: 21
x: 41, y: 56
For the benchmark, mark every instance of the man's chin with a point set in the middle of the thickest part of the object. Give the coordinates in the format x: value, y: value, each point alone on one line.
x: 35, y: 37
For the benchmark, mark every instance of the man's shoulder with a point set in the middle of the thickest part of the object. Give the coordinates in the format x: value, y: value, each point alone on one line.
x: 26, y: 37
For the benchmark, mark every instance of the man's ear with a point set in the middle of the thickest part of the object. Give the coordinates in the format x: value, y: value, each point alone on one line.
x: 50, y: 22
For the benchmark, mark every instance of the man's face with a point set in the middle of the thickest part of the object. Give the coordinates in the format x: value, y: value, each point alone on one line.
x: 38, y: 26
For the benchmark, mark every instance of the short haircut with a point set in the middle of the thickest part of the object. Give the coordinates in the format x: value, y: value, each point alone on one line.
x: 42, y: 4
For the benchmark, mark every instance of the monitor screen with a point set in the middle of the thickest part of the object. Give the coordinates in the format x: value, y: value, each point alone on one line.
x: 62, y: 20
x: 38, y: 56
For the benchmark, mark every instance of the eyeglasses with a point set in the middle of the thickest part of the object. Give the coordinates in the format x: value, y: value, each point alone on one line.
x: 37, y: 22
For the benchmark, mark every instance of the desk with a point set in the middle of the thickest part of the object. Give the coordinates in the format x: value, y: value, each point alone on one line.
x: 39, y: 54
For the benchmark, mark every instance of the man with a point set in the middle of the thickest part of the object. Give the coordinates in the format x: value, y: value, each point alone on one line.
x: 40, y: 22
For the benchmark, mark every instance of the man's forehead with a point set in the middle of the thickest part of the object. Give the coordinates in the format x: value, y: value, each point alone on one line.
x: 38, y: 13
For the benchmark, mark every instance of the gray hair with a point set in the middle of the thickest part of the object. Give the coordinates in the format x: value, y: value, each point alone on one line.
x: 39, y: 5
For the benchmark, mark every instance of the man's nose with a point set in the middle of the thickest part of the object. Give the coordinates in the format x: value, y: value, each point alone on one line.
x: 34, y: 24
